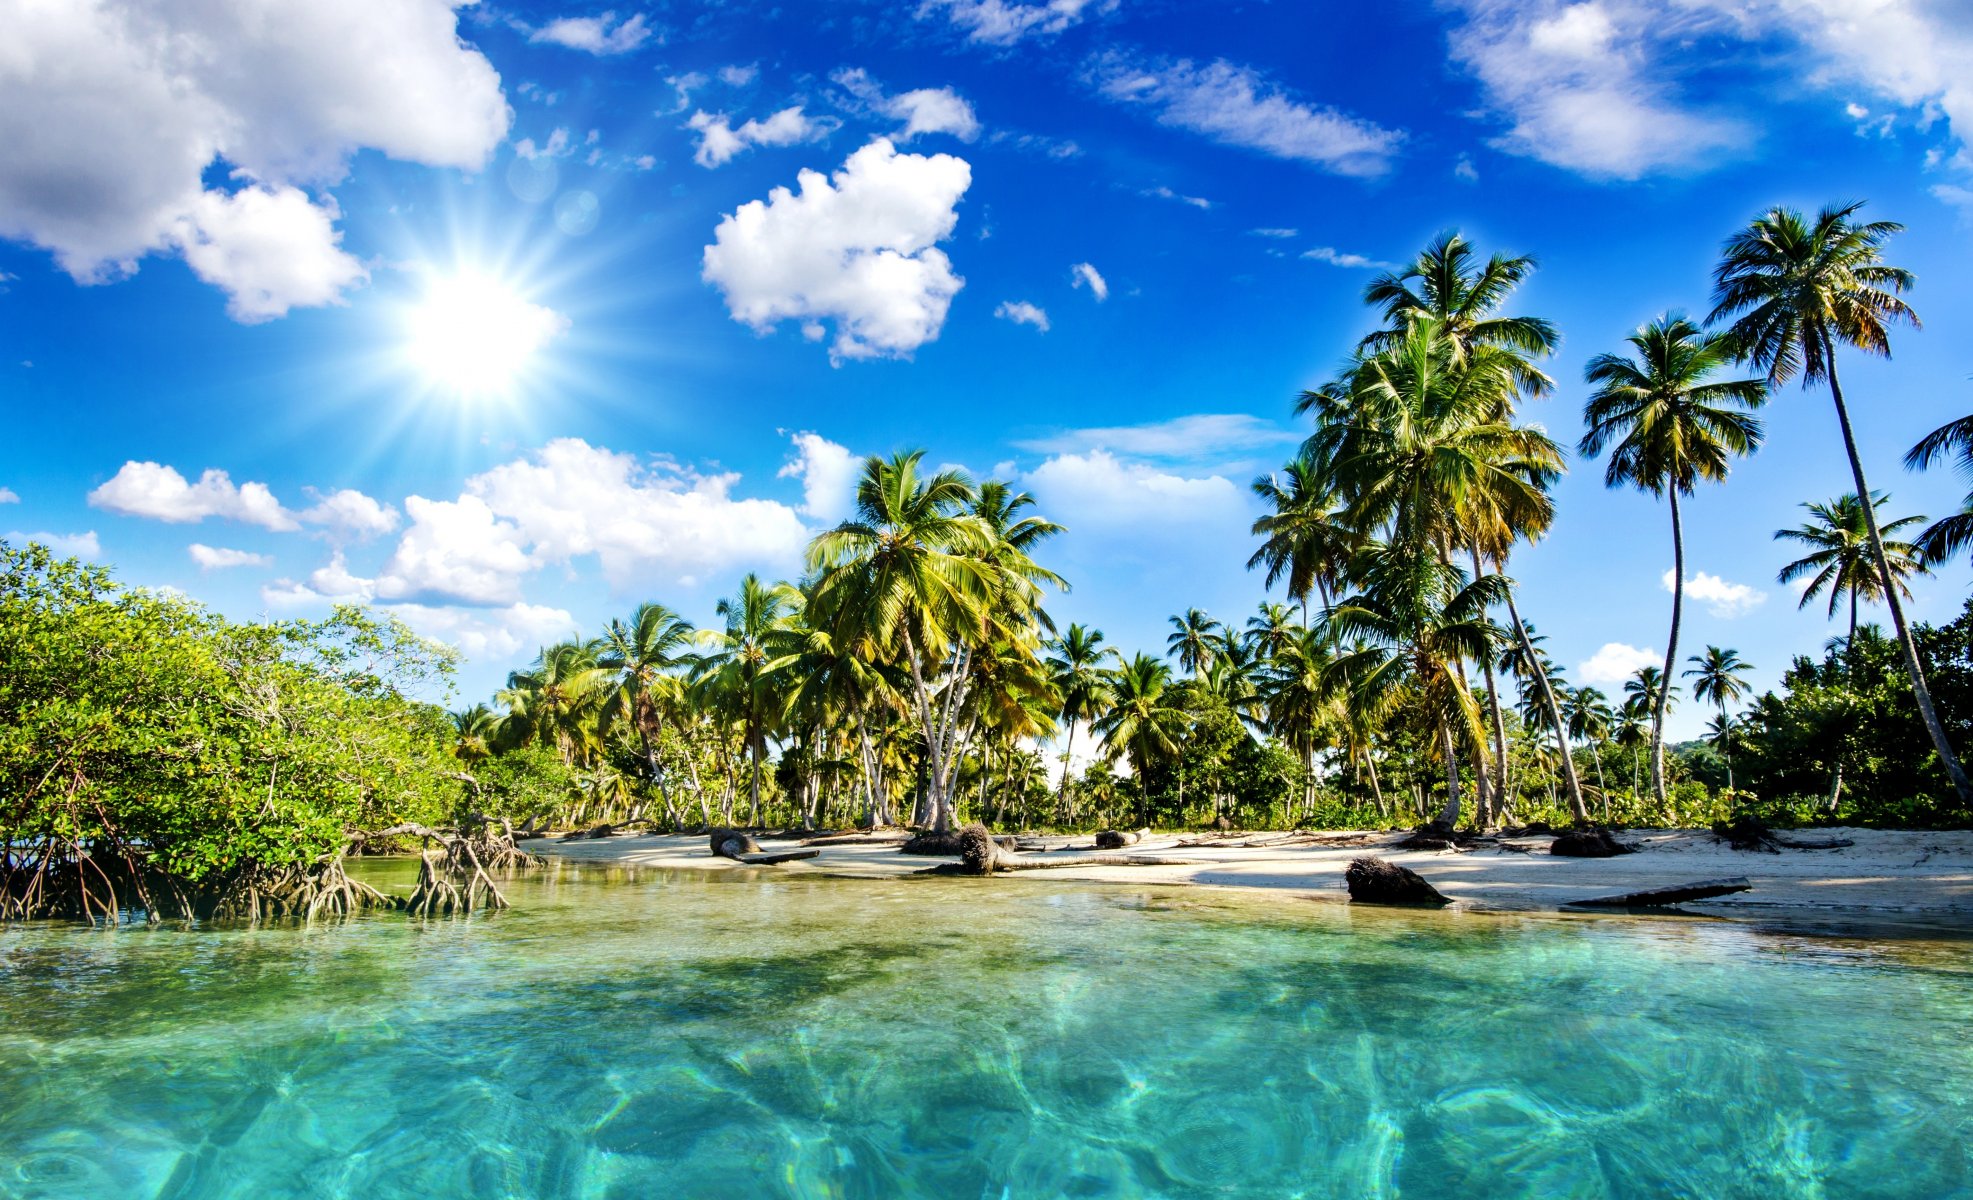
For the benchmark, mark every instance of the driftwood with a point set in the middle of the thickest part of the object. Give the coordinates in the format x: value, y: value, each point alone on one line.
x: 595, y: 833
x: 1751, y: 833
x: 983, y: 854
x: 1662, y: 897
x: 858, y: 839
x: 1589, y: 843
x: 1116, y: 839
x: 738, y: 846
x: 1375, y: 881
x: 943, y: 844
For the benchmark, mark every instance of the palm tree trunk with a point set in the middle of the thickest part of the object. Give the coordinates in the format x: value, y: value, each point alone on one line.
x: 1919, y: 690
x: 1449, y: 815
x: 1376, y: 789
x: 1576, y: 806
x: 1671, y: 657
x: 1068, y: 762
x: 1499, y: 723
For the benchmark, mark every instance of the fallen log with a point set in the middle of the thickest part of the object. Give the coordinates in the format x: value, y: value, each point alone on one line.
x: 858, y: 839
x: 980, y: 853
x: 774, y: 860
x: 1824, y: 844
x: 1375, y: 881
x: 1116, y: 839
x: 1589, y: 843
x: 1705, y: 889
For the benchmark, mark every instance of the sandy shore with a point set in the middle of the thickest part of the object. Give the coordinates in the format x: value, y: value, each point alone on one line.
x: 1886, y: 872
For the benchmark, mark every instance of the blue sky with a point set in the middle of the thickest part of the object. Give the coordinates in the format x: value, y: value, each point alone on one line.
x: 506, y: 317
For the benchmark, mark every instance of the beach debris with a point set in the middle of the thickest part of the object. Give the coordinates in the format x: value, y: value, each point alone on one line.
x: 981, y: 853
x: 1531, y: 829
x: 1705, y: 889
x: 872, y: 838
x: 740, y: 846
x: 1752, y: 833
x: 1589, y: 843
x: 1376, y: 881
x: 1115, y: 839
x: 943, y: 844
x: 594, y: 833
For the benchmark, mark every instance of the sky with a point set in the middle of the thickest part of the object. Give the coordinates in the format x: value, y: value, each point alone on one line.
x: 506, y: 317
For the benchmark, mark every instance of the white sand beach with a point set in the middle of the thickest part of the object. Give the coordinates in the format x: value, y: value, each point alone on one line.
x: 1887, y: 873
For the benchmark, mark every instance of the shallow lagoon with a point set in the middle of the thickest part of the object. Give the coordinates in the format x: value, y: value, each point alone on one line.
x: 683, y: 1034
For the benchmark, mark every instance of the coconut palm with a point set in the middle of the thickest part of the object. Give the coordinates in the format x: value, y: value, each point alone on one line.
x: 1720, y: 676
x: 1670, y: 424
x: 742, y: 667
x: 653, y: 642
x: 1081, y: 672
x: 1304, y: 541
x: 1447, y: 286
x: 556, y: 701
x: 1271, y: 627
x: 1143, y: 721
x: 1840, y: 560
x: 910, y: 578
x: 474, y: 730
x: 1795, y: 290
x: 1194, y: 640
x: 1303, y: 707
x: 1948, y: 535
x: 1590, y: 718
x: 1632, y: 731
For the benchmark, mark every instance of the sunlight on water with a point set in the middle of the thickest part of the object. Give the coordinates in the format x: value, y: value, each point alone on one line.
x: 673, y: 1035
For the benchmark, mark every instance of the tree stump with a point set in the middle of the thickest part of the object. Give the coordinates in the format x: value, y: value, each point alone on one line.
x: 733, y: 843
x: 1589, y: 843
x: 1375, y: 881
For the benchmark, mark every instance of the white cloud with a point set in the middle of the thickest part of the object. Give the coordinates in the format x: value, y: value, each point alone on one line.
x: 218, y: 558
x: 332, y: 583
x: 489, y: 633
x: 456, y: 549
x: 558, y: 145
x: 1200, y: 435
x: 1722, y: 599
x: 9, y: 496
x: 1578, y: 85
x: 860, y: 250
x: 1022, y: 313
x: 600, y: 35
x: 113, y: 112
x: 829, y: 474
x: 923, y: 110
x: 1005, y: 22
x: 1335, y: 257
x: 739, y: 76
x: 349, y: 513
x: 1164, y: 193
x: 1085, y: 275
x: 268, y: 249
x: 148, y: 489
x: 1130, y: 508
x: 69, y: 545
x: 1236, y: 106
x: 1616, y: 662
x: 719, y: 142
x: 1465, y: 170
x: 1275, y: 233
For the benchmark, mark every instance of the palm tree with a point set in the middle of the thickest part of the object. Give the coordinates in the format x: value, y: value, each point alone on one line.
x: 1632, y: 731
x: 1302, y: 703
x: 743, y: 665
x: 1194, y: 640
x: 1271, y: 627
x: 910, y: 577
x: 1672, y: 425
x: 1304, y: 540
x: 1080, y: 670
x: 654, y: 641
x: 556, y: 701
x: 1446, y: 286
x: 1143, y: 721
x: 1795, y: 290
x: 1840, y: 560
x: 1589, y: 721
x: 1948, y: 535
x: 1720, y: 676
x: 474, y: 730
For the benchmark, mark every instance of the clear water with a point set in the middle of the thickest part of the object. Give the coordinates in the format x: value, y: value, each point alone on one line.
x: 677, y: 1036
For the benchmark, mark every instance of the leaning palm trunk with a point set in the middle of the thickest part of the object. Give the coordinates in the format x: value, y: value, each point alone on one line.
x: 1577, y: 808
x: 941, y: 730
x: 1449, y: 815
x: 1919, y: 689
x: 1671, y: 657
x: 1499, y: 722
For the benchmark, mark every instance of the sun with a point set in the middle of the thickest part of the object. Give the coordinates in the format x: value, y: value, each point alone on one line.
x: 474, y: 335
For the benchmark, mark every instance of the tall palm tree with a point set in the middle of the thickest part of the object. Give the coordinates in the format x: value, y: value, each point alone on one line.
x: 1840, y: 560
x: 1081, y: 672
x: 1143, y: 720
x: 1632, y: 731
x: 1304, y: 541
x: 1271, y: 627
x: 1446, y: 285
x: 556, y: 701
x: 1948, y: 535
x: 1303, y: 704
x: 1795, y: 290
x: 910, y: 577
x: 1589, y: 721
x: 1194, y: 640
x: 1720, y: 676
x: 743, y: 666
x: 654, y: 641
x: 1670, y: 425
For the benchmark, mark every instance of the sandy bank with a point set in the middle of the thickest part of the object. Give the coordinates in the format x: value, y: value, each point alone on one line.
x: 1887, y: 872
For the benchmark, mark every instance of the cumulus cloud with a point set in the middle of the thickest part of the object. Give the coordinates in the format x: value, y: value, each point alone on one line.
x: 1721, y: 598
x: 1236, y: 106
x: 719, y: 142
x: 1616, y: 662
x: 923, y: 110
x: 1084, y: 275
x: 1133, y: 508
x: 1189, y: 437
x: 828, y: 473
x: 1022, y: 313
x: 1005, y: 22
x: 738, y: 75
x: 348, y: 513
x: 599, y: 35
x: 859, y: 249
x: 9, y: 496
x: 113, y: 113
x: 69, y: 545
x: 1579, y: 89
x: 455, y: 549
x: 218, y: 558
x: 1336, y: 258
x: 148, y: 489
x: 483, y: 633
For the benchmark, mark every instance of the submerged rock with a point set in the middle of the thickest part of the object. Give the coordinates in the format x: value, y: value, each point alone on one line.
x: 730, y: 843
x: 1375, y: 881
x: 1589, y: 843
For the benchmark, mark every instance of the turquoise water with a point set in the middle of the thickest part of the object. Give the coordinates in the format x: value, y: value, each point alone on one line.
x: 674, y: 1035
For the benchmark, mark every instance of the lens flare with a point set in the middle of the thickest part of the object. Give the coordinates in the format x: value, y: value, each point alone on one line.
x: 474, y: 335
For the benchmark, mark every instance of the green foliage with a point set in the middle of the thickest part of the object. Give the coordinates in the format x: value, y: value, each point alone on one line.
x: 137, y: 724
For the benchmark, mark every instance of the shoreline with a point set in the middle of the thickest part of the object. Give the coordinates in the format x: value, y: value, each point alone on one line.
x: 1901, y: 875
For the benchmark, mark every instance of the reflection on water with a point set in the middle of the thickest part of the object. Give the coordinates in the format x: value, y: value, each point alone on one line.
x: 625, y: 1034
